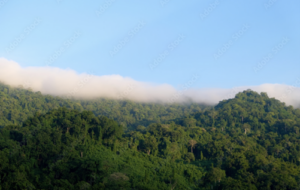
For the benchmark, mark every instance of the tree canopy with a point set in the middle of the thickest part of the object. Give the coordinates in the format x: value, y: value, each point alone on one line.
x: 248, y: 142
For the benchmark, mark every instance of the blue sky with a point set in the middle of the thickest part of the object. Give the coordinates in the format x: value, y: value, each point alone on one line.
x: 227, y: 43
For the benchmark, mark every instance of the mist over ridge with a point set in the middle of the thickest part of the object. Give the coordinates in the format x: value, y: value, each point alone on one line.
x: 70, y: 84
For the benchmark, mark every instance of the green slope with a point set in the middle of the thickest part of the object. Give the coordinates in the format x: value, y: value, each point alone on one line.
x: 248, y: 142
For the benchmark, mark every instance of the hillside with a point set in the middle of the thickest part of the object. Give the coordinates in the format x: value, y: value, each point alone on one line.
x: 252, y: 138
x: 248, y: 142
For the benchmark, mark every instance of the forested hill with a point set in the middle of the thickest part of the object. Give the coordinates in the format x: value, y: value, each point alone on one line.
x: 250, y: 112
x: 17, y: 104
x: 253, y: 138
x: 250, y: 119
x: 248, y: 142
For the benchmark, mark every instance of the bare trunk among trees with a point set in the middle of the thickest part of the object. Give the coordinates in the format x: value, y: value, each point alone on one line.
x: 192, y: 143
x: 173, y: 186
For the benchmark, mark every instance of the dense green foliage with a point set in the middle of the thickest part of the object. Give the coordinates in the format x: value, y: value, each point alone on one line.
x: 17, y: 104
x: 248, y: 142
x: 252, y: 137
x: 71, y: 150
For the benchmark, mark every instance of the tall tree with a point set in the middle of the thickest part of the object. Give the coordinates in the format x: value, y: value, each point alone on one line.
x: 192, y: 144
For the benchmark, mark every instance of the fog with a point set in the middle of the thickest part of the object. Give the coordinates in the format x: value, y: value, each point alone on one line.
x: 70, y: 84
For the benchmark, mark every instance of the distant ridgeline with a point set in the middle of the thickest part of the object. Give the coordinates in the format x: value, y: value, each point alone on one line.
x: 17, y: 104
x: 248, y: 142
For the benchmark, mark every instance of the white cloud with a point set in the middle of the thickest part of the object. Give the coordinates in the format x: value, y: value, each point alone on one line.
x: 66, y: 82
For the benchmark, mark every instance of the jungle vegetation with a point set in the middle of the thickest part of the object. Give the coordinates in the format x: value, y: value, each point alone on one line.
x: 249, y: 142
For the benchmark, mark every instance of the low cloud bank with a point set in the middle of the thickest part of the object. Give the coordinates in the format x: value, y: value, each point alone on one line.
x: 68, y: 83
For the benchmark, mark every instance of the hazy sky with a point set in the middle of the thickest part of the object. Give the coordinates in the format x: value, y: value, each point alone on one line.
x: 226, y: 44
